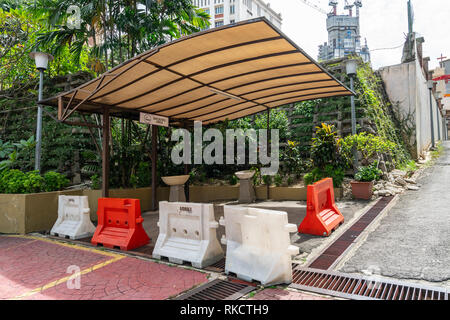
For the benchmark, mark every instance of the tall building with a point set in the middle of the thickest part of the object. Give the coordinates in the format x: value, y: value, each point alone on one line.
x: 344, y: 36
x: 230, y: 11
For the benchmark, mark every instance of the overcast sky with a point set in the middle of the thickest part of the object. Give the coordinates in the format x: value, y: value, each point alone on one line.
x: 383, y: 22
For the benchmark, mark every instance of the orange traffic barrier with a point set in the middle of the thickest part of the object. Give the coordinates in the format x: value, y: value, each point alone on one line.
x: 322, y: 214
x: 120, y: 224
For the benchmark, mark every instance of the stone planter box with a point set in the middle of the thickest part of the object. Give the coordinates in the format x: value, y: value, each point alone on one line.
x: 25, y: 213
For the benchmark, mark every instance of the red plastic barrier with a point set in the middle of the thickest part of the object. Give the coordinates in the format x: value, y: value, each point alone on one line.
x: 120, y: 224
x: 322, y: 215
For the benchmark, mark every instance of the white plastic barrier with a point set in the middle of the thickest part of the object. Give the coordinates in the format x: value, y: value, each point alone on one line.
x: 187, y: 232
x: 73, y: 218
x: 258, y: 244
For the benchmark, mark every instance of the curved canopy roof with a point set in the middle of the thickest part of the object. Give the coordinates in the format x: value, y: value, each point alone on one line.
x: 223, y: 73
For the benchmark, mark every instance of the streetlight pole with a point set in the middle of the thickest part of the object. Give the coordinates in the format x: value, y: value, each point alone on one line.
x: 351, y: 67
x: 430, y: 88
x: 37, y: 161
x: 438, y: 113
x: 41, y: 59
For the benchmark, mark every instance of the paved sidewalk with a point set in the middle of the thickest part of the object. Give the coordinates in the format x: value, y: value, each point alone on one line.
x: 34, y: 268
x: 413, y: 240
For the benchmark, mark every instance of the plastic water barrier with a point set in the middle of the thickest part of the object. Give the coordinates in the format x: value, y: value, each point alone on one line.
x: 258, y: 244
x: 73, y: 218
x: 120, y: 224
x: 187, y: 233
x: 322, y: 214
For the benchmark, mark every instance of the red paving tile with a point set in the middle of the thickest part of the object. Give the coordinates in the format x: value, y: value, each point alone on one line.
x: 128, y: 279
x: 26, y: 264
x: 279, y: 294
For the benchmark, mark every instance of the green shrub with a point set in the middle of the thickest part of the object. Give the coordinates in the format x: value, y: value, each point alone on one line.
x: 96, y: 183
x: 16, y: 181
x: 256, y: 176
x: 327, y: 157
x: 278, y: 180
x: 232, y: 179
x: 369, y: 145
x: 54, y: 181
x: 368, y: 173
x: 326, y: 148
x: 292, y: 159
x: 267, y: 180
x: 337, y: 174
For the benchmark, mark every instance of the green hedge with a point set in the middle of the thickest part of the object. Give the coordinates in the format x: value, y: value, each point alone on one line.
x: 16, y: 181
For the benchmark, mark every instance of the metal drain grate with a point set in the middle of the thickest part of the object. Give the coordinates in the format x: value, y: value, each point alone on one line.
x: 361, y: 287
x: 219, y: 266
x: 217, y: 290
x: 332, y: 254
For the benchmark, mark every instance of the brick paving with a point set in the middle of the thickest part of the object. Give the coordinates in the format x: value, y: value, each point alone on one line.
x: 26, y: 265
x: 280, y: 294
x: 130, y: 279
x: 29, y: 268
x: 37, y: 269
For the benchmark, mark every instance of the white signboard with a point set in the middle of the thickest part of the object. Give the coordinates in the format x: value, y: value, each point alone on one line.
x: 152, y: 119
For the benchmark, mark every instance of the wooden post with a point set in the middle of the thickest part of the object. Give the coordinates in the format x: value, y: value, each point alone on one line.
x: 105, y: 154
x: 154, y: 165
x: 60, y: 108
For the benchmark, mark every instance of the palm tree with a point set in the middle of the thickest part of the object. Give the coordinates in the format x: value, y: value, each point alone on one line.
x: 115, y: 28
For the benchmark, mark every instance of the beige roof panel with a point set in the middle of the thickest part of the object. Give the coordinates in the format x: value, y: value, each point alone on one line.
x: 222, y: 73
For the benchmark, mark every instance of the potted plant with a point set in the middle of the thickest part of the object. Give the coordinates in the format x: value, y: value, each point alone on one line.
x: 362, y: 186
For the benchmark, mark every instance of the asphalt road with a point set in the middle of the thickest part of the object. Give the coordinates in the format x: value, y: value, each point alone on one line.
x: 413, y: 239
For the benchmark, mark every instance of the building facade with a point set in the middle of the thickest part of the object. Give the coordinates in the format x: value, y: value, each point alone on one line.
x: 344, y: 36
x: 224, y: 12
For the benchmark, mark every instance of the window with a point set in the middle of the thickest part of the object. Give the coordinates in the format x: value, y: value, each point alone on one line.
x: 232, y: 9
x: 219, y: 10
x: 248, y: 3
x: 219, y: 23
x: 258, y: 10
x: 232, y: 21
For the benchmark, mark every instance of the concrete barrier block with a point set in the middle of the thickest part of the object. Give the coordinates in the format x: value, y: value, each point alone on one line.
x: 258, y: 244
x: 187, y: 232
x: 73, y: 218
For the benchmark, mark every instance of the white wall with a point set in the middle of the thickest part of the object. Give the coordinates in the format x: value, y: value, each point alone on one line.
x: 406, y: 86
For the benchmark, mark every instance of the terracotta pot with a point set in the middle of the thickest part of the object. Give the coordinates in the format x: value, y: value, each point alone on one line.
x: 362, y: 190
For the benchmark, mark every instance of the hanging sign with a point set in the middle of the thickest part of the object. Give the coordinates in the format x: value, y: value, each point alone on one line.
x: 147, y: 118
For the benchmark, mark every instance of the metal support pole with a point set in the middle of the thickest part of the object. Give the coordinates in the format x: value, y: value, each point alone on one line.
x: 268, y: 146
x: 154, y: 164
x: 37, y: 162
x: 186, y: 172
x: 437, y: 120
x: 105, y: 153
x: 432, y: 124
x: 352, y: 100
x: 445, y: 128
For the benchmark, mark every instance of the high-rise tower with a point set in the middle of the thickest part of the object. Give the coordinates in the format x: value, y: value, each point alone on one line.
x: 344, y: 37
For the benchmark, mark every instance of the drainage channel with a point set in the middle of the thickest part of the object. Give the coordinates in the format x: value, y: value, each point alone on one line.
x: 362, y: 287
x: 218, y: 290
x: 331, y: 255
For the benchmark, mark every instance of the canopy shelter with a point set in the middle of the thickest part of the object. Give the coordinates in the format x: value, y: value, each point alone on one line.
x: 223, y: 73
